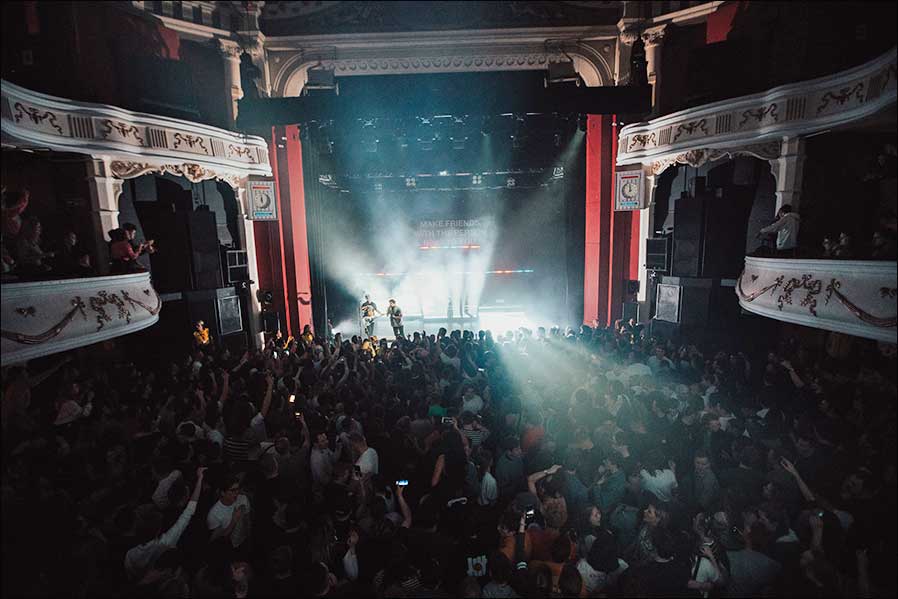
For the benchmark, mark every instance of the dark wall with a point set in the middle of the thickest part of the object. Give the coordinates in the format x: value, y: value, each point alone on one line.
x: 767, y: 44
x: 103, y: 52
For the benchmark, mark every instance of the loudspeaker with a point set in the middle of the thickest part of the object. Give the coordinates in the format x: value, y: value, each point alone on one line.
x: 657, y: 253
x: 204, y: 250
x: 723, y: 245
x: 237, y: 267
x: 271, y: 322
x: 744, y: 171
x: 688, y: 224
x: 230, y: 318
x: 693, y: 300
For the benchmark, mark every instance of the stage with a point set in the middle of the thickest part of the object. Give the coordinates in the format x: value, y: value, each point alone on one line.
x: 496, y: 321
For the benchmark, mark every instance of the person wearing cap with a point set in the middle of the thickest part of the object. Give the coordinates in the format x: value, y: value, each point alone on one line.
x: 155, y: 542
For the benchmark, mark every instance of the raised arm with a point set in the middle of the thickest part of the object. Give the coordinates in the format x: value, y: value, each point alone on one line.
x: 404, y: 508
x: 438, y: 470
x: 796, y: 380
x: 34, y: 381
x: 538, y: 476
x: 306, y: 438
x: 171, y: 536
x: 225, y: 387
x: 266, y: 403
x: 806, y: 491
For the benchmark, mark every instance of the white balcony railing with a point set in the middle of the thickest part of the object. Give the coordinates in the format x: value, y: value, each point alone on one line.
x: 139, y: 142
x: 756, y: 124
x: 46, y: 317
x: 856, y: 297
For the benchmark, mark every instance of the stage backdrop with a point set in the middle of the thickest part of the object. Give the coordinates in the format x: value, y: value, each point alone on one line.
x: 450, y: 252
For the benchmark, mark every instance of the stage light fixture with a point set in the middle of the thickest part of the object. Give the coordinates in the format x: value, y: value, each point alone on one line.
x: 321, y: 79
x: 410, y: 182
x: 378, y: 186
x: 558, y: 172
x: 476, y: 179
x: 562, y: 72
x: 510, y: 182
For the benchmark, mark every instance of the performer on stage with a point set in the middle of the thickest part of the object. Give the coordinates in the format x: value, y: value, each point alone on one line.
x: 369, y: 313
x: 395, y: 314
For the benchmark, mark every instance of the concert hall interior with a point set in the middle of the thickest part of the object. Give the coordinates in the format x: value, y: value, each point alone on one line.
x: 449, y: 298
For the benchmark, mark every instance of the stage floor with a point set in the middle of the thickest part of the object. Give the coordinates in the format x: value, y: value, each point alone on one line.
x: 497, y: 322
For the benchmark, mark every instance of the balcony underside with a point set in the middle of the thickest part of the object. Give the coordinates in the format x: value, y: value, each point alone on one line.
x: 41, y: 318
x: 855, y: 297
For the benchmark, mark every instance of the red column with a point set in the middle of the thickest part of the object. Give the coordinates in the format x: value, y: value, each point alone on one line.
x: 612, y: 238
x: 633, y: 257
x: 618, y: 244
x: 592, y: 220
x: 302, y: 280
x: 269, y: 242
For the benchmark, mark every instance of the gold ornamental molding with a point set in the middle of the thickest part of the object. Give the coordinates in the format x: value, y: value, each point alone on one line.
x: 34, y: 120
x: 46, y: 317
x: 191, y: 171
x: 745, y: 125
x: 848, y: 296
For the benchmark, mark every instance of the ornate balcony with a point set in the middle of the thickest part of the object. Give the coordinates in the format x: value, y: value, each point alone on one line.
x: 135, y: 143
x: 755, y: 125
x: 46, y: 317
x: 856, y: 297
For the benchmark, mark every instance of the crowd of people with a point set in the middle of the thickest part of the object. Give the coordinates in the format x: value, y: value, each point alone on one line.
x: 597, y: 463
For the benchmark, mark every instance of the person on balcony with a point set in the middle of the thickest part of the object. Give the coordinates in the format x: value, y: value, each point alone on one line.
x: 14, y: 204
x: 786, y: 229
x: 31, y: 258
x: 884, y: 246
x: 72, y: 260
x: 140, y: 247
x: 122, y: 254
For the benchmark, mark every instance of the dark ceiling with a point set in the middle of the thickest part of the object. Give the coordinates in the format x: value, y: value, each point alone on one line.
x: 310, y: 18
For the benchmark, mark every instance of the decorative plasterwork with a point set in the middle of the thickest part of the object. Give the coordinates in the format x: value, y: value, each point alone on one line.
x: 46, y: 317
x: 190, y: 171
x: 792, y: 110
x: 592, y: 51
x: 695, y: 158
x: 34, y: 120
x: 848, y: 296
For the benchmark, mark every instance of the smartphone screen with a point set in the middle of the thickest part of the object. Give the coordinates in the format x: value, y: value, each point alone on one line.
x: 402, y: 483
x: 292, y: 398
